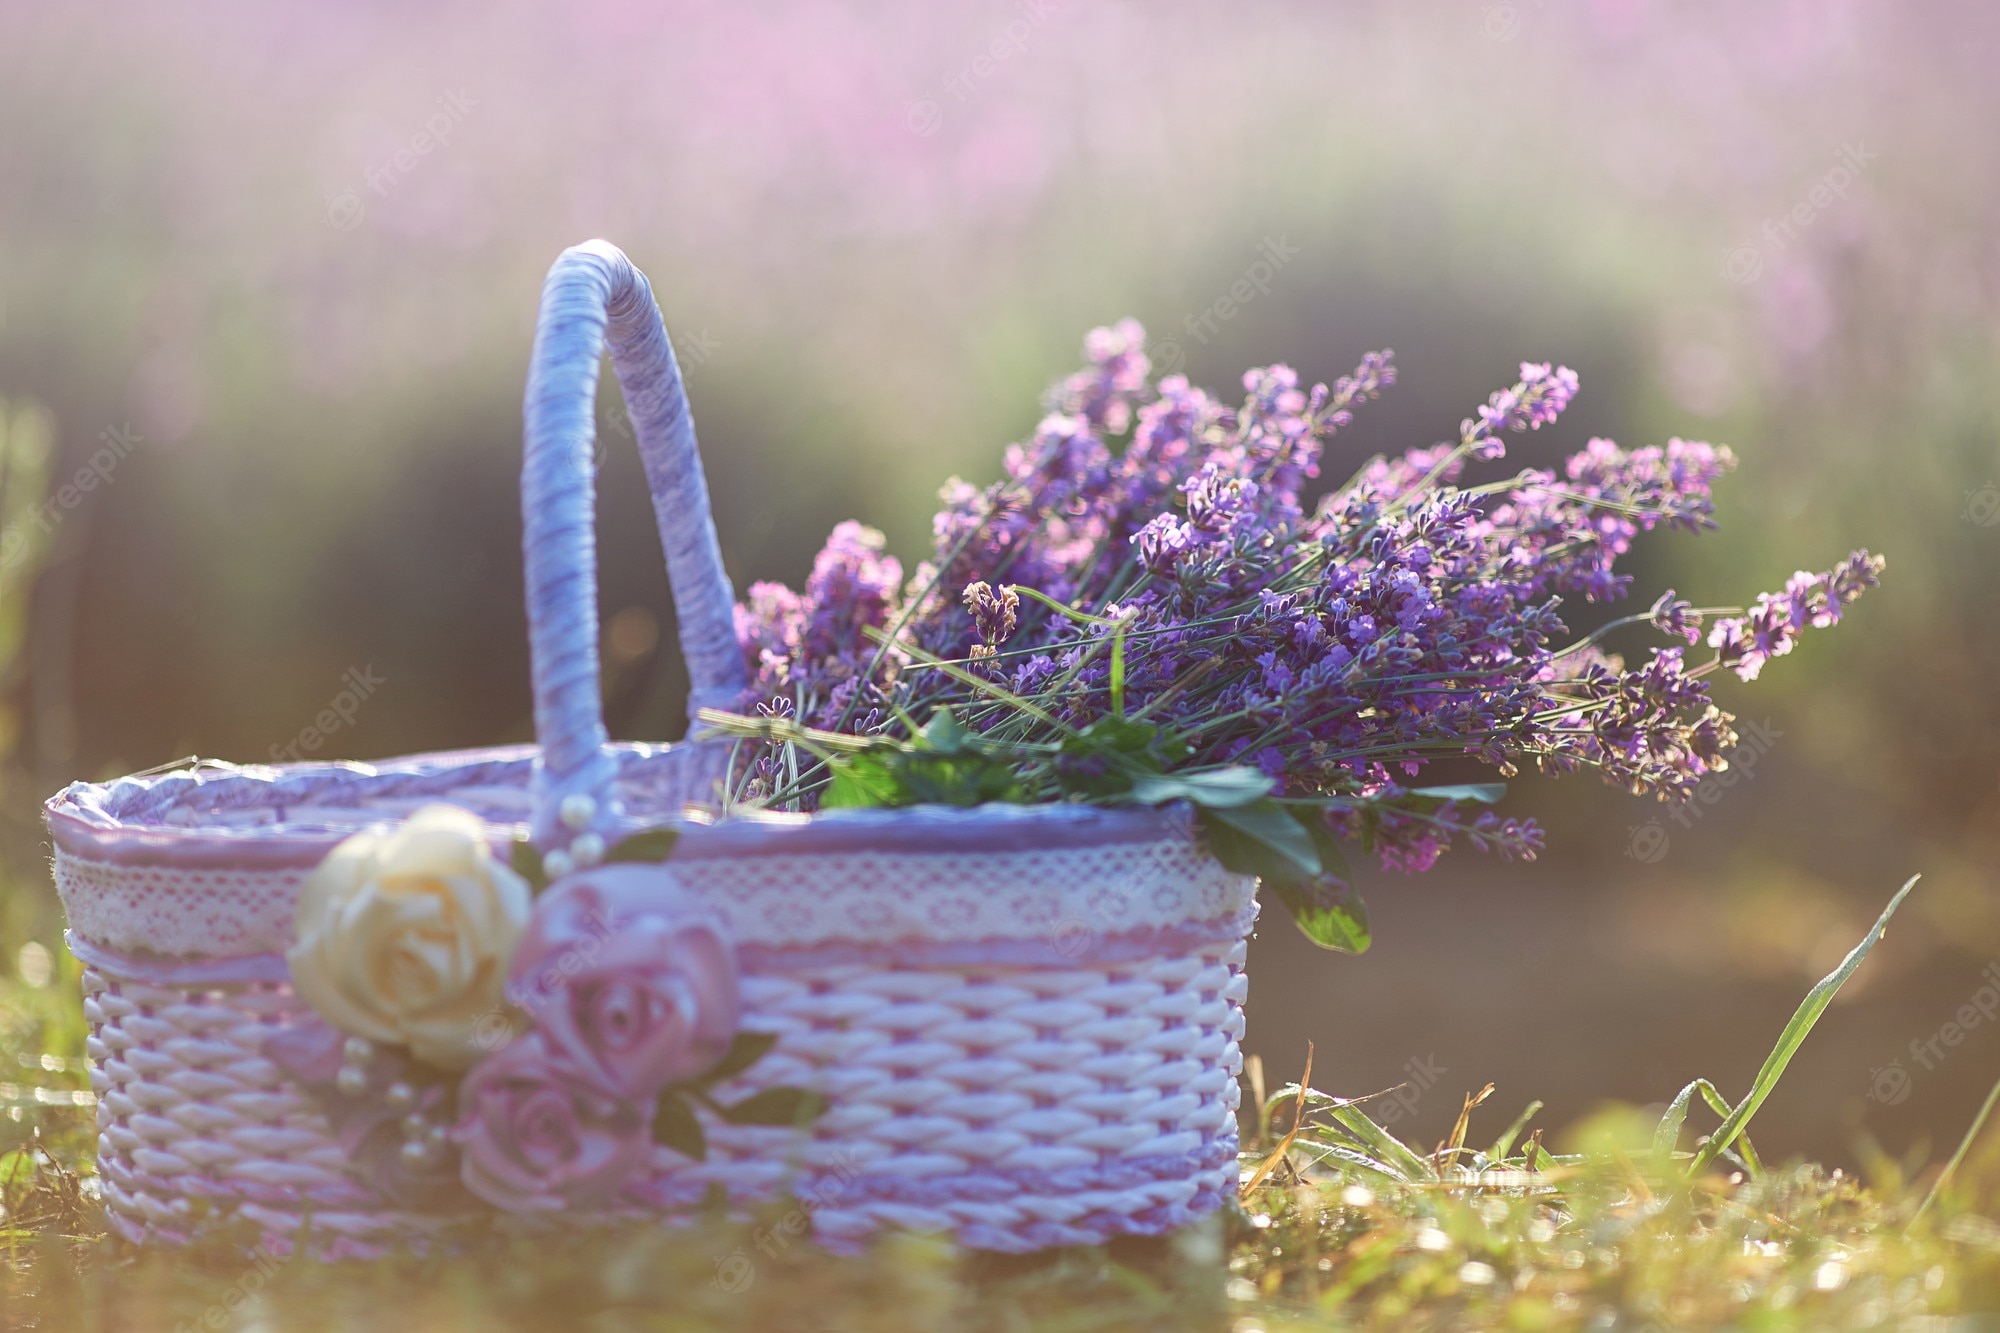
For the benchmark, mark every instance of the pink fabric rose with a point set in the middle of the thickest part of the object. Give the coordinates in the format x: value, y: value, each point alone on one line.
x: 629, y: 978
x: 534, y: 1134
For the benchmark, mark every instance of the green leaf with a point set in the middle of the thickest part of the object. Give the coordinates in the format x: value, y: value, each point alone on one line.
x: 1332, y: 856
x: 777, y: 1106
x: 864, y: 781
x: 1128, y: 752
x: 1324, y: 905
x: 527, y: 863
x: 1327, y: 911
x: 1485, y: 793
x: 965, y: 778
x: 1211, y: 789
x: 1142, y: 743
x: 746, y: 1050
x: 1262, y: 839
x: 675, y: 1126
x: 945, y: 734
x: 651, y: 845
x: 1114, y: 734
x: 1794, y: 1035
x: 17, y: 1166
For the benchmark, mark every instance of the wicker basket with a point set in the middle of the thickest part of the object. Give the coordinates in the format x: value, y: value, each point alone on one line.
x: 1023, y: 1022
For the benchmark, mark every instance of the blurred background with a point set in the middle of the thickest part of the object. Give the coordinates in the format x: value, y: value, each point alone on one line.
x: 268, y: 276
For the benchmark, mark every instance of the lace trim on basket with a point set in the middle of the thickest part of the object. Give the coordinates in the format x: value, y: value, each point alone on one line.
x: 1066, y: 899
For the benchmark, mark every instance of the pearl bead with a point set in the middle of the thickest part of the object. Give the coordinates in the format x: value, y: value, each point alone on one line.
x: 351, y: 1081
x: 400, y: 1096
x: 358, y: 1050
x: 438, y: 1136
x: 577, y: 811
x: 415, y: 1126
x: 588, y: 849
x: 557, y: 864
x: 415, y: 1153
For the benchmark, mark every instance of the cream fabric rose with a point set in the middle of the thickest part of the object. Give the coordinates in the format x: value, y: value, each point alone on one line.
x: 404, y: 936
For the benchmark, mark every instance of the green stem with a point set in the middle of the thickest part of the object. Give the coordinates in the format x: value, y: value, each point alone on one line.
x: 1951, y: 1167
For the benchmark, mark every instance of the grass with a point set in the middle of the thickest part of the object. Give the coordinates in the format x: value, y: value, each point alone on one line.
x: 1340, y: 1225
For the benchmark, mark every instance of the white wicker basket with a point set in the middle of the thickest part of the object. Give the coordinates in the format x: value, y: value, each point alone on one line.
x: 1023, y: 1021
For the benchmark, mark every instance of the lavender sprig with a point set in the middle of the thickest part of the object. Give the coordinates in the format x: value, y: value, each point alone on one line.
x: 1180, y: 583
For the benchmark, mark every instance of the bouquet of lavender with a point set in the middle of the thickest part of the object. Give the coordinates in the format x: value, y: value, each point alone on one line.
x: 1145, y: 609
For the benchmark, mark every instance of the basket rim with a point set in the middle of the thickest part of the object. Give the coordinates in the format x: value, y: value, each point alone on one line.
x: 118, y: 822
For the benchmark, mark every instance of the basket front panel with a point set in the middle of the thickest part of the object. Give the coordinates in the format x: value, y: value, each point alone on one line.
x: 1015, y: 1108
x: 1022, y: 1048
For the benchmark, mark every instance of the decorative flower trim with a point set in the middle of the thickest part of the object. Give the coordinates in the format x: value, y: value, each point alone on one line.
x: 403, y: 937
x: 488, y: 1031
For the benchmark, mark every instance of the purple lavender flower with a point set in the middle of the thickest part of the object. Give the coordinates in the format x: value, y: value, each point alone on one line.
x: 1105, y: 393
x: 1214, y: 497
x: 769, y: 623
x: 1571, y: 531
x: 854, y: 583
x: 1536, y: 400
x: 1376, y: 372
x: 1404, y: 622
x: 1773, y: 625
x: 994, y: 615
x: 1675, y: 616
x: 1163, y: 542
x: 1510, y: 839
x: 807, y: 644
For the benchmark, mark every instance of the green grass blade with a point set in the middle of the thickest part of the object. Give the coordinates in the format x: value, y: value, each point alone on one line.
x: 1118, y: 671
x: 976, y: 683
x: 1668, y: 1136
x: 1505, y: 1143
x: 1793, y: 1036
x: 1385, y: 1146
x: 1964, y: 1145
x: 1329, y: 1150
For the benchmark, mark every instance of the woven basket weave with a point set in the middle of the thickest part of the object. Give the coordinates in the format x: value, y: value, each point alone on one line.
x: 1024, y: 1021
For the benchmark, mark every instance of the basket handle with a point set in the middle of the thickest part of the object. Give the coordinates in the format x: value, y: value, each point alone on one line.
x: 593, y: 295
